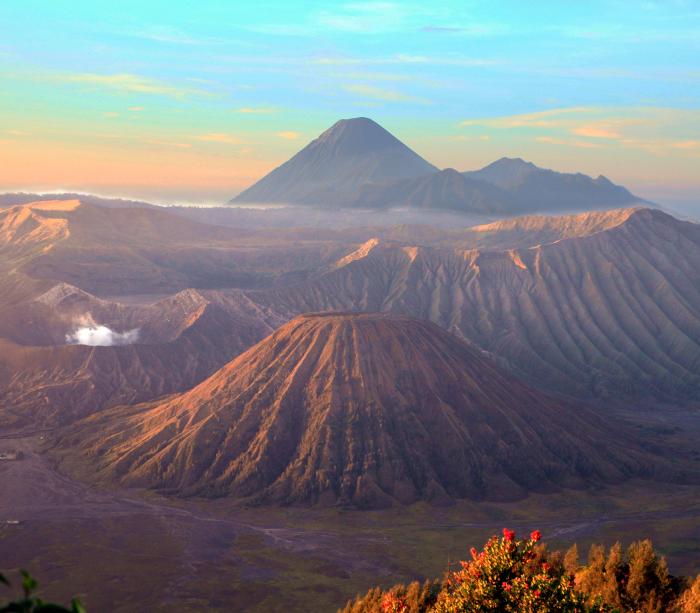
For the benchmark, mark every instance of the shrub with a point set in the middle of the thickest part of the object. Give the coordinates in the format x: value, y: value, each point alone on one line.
x: 512, y: 575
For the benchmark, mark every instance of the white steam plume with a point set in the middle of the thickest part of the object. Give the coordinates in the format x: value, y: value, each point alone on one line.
x: 90, y: 333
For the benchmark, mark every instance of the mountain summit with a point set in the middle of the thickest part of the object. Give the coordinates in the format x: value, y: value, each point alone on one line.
x: 356, y: 408
x: 332, y: 168
x: 532, y: 188
x: 505, y: 173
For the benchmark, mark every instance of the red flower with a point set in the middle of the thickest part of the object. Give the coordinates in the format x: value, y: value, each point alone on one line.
x: 509, y: 535
x: 537, y: 593
x: 506, y: 586
x: 473, y: 552
x: 391, y: 603
x: 536, y: 535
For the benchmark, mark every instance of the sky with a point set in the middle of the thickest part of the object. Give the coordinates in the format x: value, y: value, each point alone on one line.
x: 184, y: 101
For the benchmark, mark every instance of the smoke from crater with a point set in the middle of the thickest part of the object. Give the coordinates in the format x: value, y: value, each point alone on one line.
x: 96, y: 335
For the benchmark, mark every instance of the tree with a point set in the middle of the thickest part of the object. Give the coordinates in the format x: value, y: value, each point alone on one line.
x: 635, y: 581
x: 689, y: 602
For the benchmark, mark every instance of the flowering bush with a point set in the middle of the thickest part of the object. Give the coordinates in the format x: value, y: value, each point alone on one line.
x: 509, y: 575
x: 394, y: 603
x: 521, y: 575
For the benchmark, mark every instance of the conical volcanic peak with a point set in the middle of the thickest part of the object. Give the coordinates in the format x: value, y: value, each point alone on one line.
x: 356, y: 136
x: 333, y: 167
x: 362, y: 409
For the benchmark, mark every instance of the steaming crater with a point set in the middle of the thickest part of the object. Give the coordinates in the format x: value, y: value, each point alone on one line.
x: 96, y: 335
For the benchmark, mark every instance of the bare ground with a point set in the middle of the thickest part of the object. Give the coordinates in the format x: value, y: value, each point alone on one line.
x: 126, y: 550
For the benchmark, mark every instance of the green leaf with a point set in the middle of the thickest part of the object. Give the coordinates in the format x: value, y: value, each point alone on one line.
x: 77, y: 607
x: 29, y: 583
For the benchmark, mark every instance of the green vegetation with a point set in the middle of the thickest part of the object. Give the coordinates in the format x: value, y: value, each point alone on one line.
x: 523, y: 576
x: 28, y: 603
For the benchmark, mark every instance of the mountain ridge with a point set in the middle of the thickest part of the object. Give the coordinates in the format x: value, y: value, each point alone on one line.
x: 358, y: 164
x: 609, y: 314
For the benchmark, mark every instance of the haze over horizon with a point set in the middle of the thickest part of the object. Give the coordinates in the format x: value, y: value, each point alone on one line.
x: 165, y: 103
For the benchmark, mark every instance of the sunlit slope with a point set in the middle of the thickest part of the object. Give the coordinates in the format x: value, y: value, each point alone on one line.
x: 363, y: 409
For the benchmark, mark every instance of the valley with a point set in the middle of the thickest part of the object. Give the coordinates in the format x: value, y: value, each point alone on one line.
x: 273, y: 409
x: 136, y: 547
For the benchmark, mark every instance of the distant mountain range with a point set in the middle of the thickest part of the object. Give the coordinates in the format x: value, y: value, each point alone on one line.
x: 357, y: 163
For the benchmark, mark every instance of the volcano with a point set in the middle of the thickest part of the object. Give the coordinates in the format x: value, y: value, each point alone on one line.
x: 354, y: 409
x: 332, y: 168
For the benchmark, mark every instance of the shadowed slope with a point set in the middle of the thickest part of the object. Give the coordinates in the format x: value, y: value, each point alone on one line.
x: 538, y: 189
x: 446, y: 189
x: 55, y: 385
x: 365, y: 409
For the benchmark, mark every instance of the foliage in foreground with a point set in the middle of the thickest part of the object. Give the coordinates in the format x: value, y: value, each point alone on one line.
x: 512, y: 575
x: 28, y: 603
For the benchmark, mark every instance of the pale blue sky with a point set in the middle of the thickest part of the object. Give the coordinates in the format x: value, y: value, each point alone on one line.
x: 196, y: 100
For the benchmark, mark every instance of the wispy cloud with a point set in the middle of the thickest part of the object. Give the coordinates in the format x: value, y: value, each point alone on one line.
x: 548, y: 118
x: 289, y: 135
x: 403, y: 58
x: 370, y: 76
x: 220, y: 137
x: 550, y: 140
x: 249, y: 110
x: 687, y: 144
x: 168, y: 144
x: 129, y: 83
x: 280, y: 29
x: 168, y: 34
x: 654, y: 130
x: 441, y: 29
x: 596, y: 131
x: 463, y: 138
x: 365, y: 17
x: 473, y: 29
x: 378, y: 93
